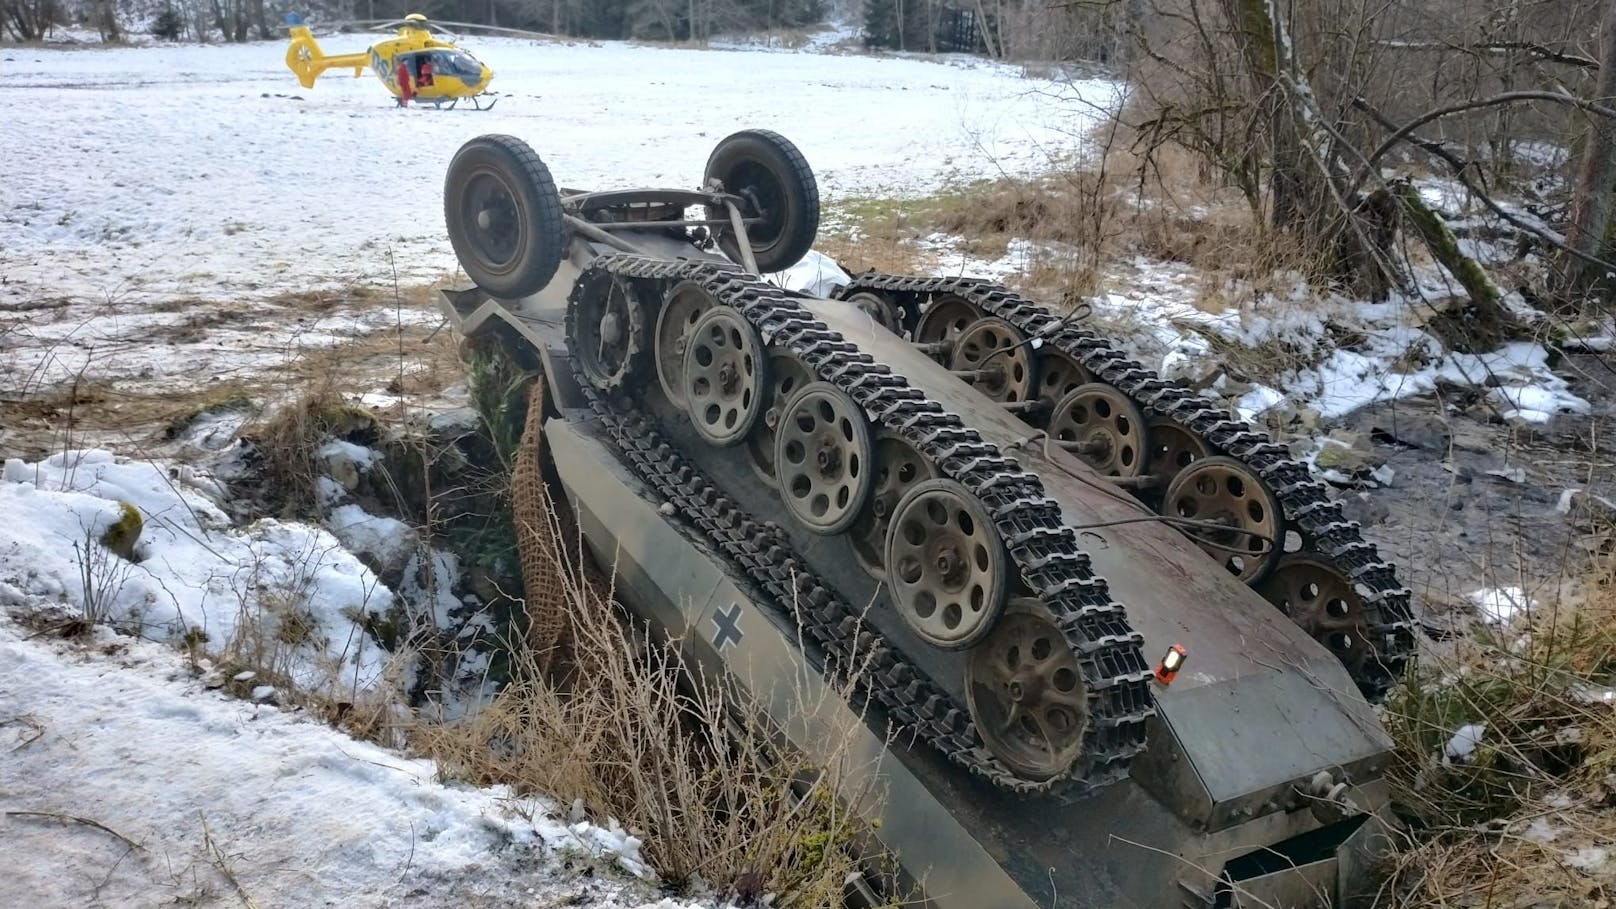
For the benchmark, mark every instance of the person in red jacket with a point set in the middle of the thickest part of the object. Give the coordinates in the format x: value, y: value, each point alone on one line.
x: 426, y: 73
x: 405, y: 92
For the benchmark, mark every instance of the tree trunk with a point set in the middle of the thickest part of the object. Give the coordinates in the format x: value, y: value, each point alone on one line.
x: 1596, y: 176
x: 1486, y: 296
x: 986, y: 30
x: 1297, y: 170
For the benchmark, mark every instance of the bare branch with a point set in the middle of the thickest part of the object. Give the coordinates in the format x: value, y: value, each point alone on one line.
x: 1540, y: 51
x: 1403, y: 132
x: 1462, y: 171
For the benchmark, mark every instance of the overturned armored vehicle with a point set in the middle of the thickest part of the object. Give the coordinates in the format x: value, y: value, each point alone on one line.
x: 1113, y: 648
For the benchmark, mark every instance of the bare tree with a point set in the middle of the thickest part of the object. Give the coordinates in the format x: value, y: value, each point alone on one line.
x: 28, y: 20
x: 1596, y: 177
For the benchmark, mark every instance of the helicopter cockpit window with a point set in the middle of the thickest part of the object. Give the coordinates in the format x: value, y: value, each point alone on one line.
x: 458, y: 63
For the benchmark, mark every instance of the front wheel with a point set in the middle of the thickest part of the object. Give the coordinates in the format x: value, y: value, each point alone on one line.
x: 503, y: 213
x: 779, y: 190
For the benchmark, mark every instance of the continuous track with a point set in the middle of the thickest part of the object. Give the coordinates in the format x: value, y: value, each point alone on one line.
x: 1045, y: 553
x: 1325, y: 532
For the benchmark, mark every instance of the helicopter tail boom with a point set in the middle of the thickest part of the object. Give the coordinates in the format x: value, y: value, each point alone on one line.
x: 305, y: 59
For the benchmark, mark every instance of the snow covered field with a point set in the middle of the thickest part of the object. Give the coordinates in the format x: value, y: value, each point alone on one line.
x: 206, y: 800
x: 183, y: 217
x: 143, y: 174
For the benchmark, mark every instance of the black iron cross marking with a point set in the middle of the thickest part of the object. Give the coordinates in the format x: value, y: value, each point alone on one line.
x: 727, y: 627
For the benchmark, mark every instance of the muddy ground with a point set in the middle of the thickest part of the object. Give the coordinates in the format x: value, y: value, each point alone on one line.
x: 1476, y: 501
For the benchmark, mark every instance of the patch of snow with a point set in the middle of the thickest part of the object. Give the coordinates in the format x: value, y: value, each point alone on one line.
x: 1500, y: 605
x: 1462, y: 747
x: 1512, y: 474
x: 1541, y: 831
x: 388, y: 541
x: 1259, y: 399
x: 361, y: 456
x: 301, y: 814
x: 195, y: 573
x: 1589, y: 859
x: 431, y: 581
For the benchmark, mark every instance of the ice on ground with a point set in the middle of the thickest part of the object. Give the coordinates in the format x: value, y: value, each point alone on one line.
x: 1500, y: 605
x: 301, y: 814
x: 287, y: 591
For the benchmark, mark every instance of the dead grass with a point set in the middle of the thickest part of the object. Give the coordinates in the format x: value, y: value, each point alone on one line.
x: 638, y: 733
x: 1530, y: 819
x: 412, y: 358
x: 1082, y: 224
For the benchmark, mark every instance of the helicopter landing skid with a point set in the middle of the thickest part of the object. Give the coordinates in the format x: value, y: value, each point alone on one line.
x: 439, y: 104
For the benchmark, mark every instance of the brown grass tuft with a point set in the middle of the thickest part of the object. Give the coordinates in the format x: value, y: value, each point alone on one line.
x: 290, y: 439
x: 640, y: 734
x: 1530, y: 819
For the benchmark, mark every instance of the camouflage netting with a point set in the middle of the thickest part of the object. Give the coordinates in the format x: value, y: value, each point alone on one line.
x: 537, y: 545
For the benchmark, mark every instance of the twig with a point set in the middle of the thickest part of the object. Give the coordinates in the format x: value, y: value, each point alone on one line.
x: 223, y: 866
x: 73, y: 818
x: 32, y: 722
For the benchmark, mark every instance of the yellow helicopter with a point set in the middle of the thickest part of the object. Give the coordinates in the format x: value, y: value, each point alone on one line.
x: 438, y: 72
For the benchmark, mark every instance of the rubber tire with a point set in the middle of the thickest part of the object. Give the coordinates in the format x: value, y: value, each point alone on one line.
x: 538, y: 204
x: 783, y: 243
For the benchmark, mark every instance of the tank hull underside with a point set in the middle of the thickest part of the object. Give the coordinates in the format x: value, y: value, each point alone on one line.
x: 1258, y: 712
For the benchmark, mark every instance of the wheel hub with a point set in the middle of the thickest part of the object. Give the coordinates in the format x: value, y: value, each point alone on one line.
x: 1100, y: 425
x: 611, y: 340
x: 823, y: 458
x: 724, y: 376
x: 990, y: 354
x: 950, y: 567
x: 1223, y: 491
x: 1025, y: 692
x: 946, y: 565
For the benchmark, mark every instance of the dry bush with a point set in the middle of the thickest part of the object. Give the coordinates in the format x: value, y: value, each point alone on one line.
x: 1081, y: 227
x: 290, y: 439
x: 638, y: 733
x: 1530, y: 819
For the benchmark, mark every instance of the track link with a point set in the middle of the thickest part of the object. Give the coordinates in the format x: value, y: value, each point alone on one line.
x: 1045, y: 552
x: 1325, y: 531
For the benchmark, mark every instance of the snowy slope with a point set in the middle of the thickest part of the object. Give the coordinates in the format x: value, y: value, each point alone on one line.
x: 300, y: 815
x: 118, y: 728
